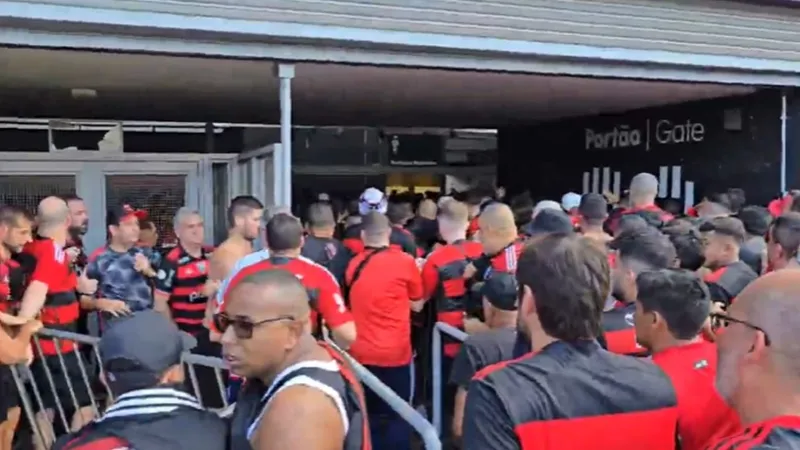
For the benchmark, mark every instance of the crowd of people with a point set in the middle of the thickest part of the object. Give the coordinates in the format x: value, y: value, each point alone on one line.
x: 592, y: 322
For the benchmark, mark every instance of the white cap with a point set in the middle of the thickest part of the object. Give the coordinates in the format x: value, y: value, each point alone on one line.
x: 570, y: 200
x: 545, y: 204
x: 372, y: 200
x: 323, y: 197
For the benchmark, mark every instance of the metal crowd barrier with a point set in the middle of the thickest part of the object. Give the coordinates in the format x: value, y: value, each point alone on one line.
x: 82, y: 392
x: 430, y: 438
x: 99, y: 396
x: 436, y: 362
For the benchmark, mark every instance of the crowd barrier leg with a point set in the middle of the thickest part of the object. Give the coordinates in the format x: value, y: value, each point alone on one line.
x: 436, y: 363
x: 194, y: 361
x: 401, y: 406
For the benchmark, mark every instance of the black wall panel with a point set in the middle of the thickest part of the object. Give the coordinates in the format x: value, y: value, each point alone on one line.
x: 549, y: 159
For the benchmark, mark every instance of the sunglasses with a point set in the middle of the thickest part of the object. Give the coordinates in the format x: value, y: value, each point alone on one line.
x: 243, y: 327
x: 723, y: 321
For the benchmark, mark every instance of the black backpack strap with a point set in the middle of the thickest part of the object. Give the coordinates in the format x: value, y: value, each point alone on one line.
x: 348, y: 285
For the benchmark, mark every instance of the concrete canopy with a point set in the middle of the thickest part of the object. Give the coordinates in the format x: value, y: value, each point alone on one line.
x: 39, y: 83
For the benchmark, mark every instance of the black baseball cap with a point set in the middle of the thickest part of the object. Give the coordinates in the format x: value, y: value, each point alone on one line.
x: 550, y: 221
x: 501, y: 291
x: 593, y: 206
x: 136, y: 350
x: 116, y: 215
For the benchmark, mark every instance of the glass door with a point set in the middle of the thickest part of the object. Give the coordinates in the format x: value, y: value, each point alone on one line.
x: 160, y: 188
x: 25, y: 183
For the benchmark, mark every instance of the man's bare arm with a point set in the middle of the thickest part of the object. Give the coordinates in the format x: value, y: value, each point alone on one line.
x: 14, y: 350
x: 300, y: 418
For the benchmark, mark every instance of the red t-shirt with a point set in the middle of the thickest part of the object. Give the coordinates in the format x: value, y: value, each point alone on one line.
x: 702, y: 414
x: 381, y: 303
x: 323, y: 289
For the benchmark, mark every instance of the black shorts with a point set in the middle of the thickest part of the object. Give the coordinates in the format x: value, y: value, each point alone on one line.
x: 71, y: 371
x: 8, y: 392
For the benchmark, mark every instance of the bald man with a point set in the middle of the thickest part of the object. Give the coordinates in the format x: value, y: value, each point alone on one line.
x: 299, y: 393
x: 643, y: 191
x: 53, y: 291
x: 501, y: 243
x: 759, y: 363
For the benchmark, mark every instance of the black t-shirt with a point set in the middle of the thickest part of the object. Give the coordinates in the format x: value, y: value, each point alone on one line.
x: 481, y: 350
x: 329, y: 253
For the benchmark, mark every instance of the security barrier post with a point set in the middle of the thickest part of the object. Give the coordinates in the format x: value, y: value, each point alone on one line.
x: 436, y: 363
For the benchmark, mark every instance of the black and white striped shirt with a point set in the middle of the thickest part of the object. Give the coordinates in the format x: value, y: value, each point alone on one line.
x: 158, y: 400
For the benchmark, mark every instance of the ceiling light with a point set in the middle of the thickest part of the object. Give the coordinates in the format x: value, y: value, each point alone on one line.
x: 83, y: 93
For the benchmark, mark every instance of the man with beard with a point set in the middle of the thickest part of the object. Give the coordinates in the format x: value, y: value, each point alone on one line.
x: 245, y: 217
x: 79, y: 226
x: 15, y: 232
x: 639, y: 249
x: 568, y: 393
x: 759, y: 363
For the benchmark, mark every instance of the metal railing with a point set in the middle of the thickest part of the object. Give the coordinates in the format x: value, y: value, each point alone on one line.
x: 426, y: 431
x: 436, y: 362
x: 81, y: 392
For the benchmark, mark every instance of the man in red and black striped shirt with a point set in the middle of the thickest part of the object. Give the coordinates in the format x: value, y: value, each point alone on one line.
x: 182, y: 275
x: 181, y: 294
x: 758, y: 370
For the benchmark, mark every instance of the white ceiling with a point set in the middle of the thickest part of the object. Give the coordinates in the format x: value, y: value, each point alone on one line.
x: 37, y: 82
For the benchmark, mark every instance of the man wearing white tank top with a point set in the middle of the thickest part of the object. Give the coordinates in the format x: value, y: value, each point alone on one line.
x: 299, y: 392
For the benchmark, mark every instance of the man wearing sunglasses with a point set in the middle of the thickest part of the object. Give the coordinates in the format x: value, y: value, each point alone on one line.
x: 672, y: 307
x: 759, y: 363
x: 299, y: 393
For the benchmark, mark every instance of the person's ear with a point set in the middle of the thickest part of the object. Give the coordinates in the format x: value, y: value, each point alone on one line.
x: 527, y: 304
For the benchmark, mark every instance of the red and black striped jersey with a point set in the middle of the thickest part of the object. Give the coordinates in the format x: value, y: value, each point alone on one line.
x: 781, y: 432
x: 182, y: 276
x: 50, y: 264
x: 12, y: 285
